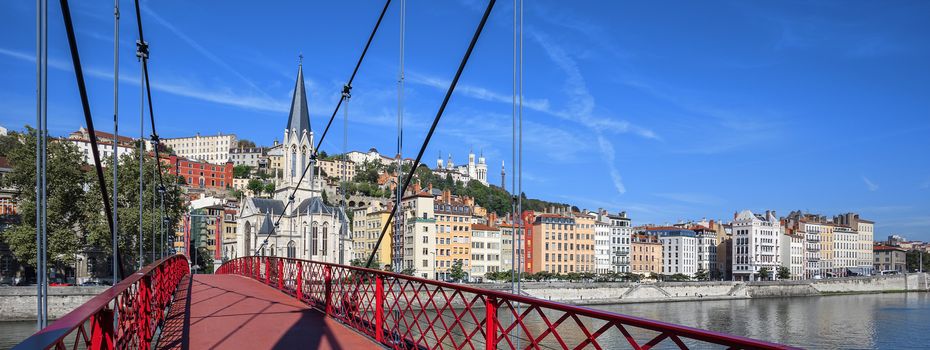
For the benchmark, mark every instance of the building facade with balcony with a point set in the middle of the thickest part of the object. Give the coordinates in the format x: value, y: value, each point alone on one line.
x: 756, y: 245
x: 621, y: 231
x: 645, y: 255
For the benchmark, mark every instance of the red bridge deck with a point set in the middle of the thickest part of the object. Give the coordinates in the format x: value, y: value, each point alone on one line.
x: 229, y: 311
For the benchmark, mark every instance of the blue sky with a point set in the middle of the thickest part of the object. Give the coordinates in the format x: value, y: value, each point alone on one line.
x: 670, y: 111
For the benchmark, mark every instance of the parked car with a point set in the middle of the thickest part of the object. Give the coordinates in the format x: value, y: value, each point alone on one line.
x: 59, y: 282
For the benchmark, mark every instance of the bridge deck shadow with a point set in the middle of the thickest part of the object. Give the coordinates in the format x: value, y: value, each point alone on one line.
x: 234, y: 312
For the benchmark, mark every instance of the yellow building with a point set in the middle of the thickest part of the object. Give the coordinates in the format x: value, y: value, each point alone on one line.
x: 584, y: 242
x: 367, y: 226
x: 453, y: 234
x: 337, y: 168
x: 645, y: 255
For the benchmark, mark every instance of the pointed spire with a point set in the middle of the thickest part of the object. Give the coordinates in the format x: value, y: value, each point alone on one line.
x: 299, y: 118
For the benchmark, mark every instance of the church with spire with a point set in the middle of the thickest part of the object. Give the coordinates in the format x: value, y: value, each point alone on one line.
x: 309, y: 229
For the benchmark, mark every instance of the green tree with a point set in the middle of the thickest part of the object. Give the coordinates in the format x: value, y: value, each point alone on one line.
x: 765, y: 274
x: 256, y: 186
x: 455, y: 272
x: 701, y: 274
x: 784, y: 273
x: 242, y: 171
x: 269, y: 188
x: 244, y: 143
x: 66, y: 221
x: 408, y: 271
x: 99, y: 239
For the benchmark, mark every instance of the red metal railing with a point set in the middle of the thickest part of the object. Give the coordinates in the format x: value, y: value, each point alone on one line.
x: 140, y: 302
x: 404, y: 312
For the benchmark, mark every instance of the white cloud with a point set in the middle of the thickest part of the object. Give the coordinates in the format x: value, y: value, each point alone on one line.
x: 217, y: 94
x: 869, y: 184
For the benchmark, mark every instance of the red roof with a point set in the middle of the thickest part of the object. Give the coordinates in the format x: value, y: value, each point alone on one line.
x: 886, y: 247
x: 483, y: 227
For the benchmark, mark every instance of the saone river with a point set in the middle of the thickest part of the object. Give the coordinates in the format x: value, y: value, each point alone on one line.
x: 867, y: 321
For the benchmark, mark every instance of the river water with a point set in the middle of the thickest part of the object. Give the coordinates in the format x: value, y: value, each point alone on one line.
x: 867, y: 321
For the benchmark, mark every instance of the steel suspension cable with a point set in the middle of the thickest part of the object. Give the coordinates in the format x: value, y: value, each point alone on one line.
x: 85, y: 105
x: 141, y: 154
x: 400, y: 132
x: 346, y: 89
x: 115, y: 131
x: 41, y: 124
x: 429, y: 134
x: 154, y: 137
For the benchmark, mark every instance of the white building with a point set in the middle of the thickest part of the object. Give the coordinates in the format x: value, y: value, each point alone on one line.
x: 792, y: 254
x: 679, y: 252
x: 372, y: 156
x: 485, y: 251
x: 845, y: 250
x: 464, y: 173
x: 706, y: 248
x: 865, y: 230
x: 309, y: 229
x: 602, y: 259
x: 418, y: 238
x: 105, y: 150
x: 212, y: 149
x: 255, y: 157
x: 621, y: 231
x: 756, y: 245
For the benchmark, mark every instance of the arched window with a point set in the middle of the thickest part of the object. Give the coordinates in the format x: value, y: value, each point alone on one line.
x: 325, y: 238
x: 313, y: 238
x: 303, y: 159
x: 293, y: 162
x: 291, y: 249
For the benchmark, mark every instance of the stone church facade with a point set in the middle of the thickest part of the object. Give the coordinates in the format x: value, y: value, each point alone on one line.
x: 309, y: 229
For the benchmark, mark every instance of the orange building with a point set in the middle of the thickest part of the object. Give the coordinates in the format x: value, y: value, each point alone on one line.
x: 646, y: 255
x: 560, y: 244
x: 453, y: 233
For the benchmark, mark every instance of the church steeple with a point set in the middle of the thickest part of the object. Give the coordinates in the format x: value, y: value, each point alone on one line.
x: 299, y: 118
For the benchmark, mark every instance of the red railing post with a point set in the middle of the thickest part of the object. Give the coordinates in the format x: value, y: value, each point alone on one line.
x: 379, y: 308
x: 328, y: 283
x: 280, y: 274
x: 298, y: 281
x: 490, y: 320
x: 102, y: 333
x: 267, y: 270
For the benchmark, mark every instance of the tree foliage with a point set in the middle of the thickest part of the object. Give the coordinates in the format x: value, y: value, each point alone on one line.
x: 456, y: 273
x: 242, y: 171
x: 76, y: 220
x: 784, y: 273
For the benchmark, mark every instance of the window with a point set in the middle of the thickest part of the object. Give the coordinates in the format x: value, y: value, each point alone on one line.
x: 325, y: 239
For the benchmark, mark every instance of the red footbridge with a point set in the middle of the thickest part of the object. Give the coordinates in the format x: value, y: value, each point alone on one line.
x: 268, y: 302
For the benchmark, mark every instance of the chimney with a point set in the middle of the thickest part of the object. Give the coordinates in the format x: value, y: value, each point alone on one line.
x: 416, y: 187
x: 430, y: 186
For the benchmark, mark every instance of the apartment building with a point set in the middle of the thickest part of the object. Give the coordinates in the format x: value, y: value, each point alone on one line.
x: 865, y: 231
x: 679, y: 250
x: 621, y: 229
x: 367, y: 225
x: 645, y: 255
x: 792, y: 254
x: 890, y: 258
x: 706, y: 248
x: 583, y: 242
x: 255, y: 157
x: 212, y: 149
x: 845, y: 251
x: 552, y: 244
x: 337, y: 168
x: 756, y: 245
x: 485, y: 251
x: 453, y: 233
x: 200, y: 174
x: 602, y: 256
x: 419, y: 235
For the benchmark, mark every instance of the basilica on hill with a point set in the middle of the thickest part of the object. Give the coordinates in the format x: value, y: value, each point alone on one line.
x: 309, y: 229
